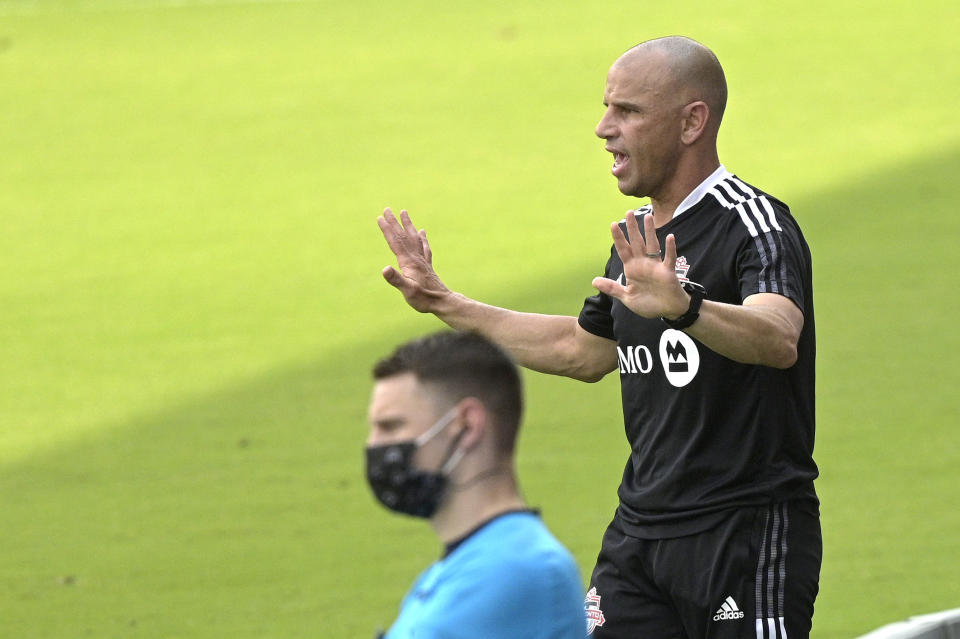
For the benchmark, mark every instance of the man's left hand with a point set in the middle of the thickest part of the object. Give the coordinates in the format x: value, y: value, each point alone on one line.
x: 650, y: 286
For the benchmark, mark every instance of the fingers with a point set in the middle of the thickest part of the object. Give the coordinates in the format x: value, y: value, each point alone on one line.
x: 633, y: 232
x: 621, y: 243
x: 650, y: 236
x: 647, y: 244
x: 401, y: 235
x: 408, y: 226
x: 392, y: 231
x: 635, y: 243
x: 670, y: 253
x: 392, y: 275
x: 396, y: 279
x: 608, y: 287
x: 427, y: 251
x: 386, y: 221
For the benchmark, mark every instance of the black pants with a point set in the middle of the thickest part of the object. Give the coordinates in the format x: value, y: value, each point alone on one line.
x: 753, y: 576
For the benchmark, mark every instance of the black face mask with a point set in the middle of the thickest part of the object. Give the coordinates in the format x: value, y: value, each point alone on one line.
x: 400, y: 486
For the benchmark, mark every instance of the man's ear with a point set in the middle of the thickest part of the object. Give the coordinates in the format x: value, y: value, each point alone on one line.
x: 476, y: 422
x: 695, y: 118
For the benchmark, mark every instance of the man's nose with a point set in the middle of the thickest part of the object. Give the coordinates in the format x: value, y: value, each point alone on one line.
x: 605, y: 128
x: 373, y: 437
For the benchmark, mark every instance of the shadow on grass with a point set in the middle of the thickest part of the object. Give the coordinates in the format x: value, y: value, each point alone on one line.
x: 246, y: 511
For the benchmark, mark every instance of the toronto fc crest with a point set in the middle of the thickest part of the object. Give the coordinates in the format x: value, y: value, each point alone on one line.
x: 681, y: 269
x: 591, y: 607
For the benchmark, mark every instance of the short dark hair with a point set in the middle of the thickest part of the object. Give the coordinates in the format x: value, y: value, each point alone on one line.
x: 461, y: 364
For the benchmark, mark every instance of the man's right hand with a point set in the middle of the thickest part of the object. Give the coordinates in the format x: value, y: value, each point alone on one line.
x: 416, y: 279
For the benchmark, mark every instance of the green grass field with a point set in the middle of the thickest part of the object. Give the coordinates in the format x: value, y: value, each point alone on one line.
x: 190, y: 298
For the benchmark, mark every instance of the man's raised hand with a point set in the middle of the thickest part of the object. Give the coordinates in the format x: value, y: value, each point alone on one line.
x: 416, y: 279
x: 650, y: 287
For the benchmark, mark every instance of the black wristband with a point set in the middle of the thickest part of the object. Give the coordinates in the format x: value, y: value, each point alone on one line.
x: 697, y: 293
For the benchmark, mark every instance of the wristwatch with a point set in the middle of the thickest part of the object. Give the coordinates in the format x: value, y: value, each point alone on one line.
x: 697, y: 293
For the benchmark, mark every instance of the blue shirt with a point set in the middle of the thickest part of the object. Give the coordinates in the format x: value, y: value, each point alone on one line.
x: 511, y: 578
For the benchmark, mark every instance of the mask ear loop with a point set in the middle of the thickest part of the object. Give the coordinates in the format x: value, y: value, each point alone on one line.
x: 441, y: 423
x: 455, y: 455
x: 454, y: 458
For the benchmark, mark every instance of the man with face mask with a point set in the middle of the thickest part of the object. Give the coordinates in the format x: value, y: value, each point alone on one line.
x: 444, y: 415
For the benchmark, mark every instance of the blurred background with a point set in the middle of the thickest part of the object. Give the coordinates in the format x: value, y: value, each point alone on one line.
x: 191, y: 301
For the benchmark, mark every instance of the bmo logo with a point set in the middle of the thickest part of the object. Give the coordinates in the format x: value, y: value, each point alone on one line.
x: 635, y: 359
x: 679, y: 356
